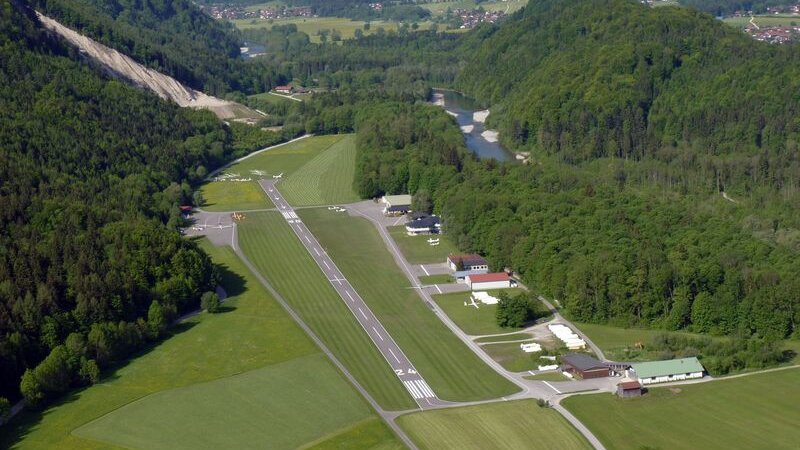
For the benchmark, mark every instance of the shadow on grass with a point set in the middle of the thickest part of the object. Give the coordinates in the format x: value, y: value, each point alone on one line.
x: 233, y: 283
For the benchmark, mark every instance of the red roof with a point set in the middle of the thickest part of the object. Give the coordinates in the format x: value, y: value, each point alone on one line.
x: 626, y: 385
x: 488, y: 277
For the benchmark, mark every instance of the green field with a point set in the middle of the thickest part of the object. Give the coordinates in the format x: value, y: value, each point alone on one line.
x: 269, y: 97
x: 326, y: 179
x: 471, y: 320
x: 752, y: 412
x: 417, y: 250
x: 503, y: 425
x: 312, y: 25
x: 254, y: 334
x: 437, y: 279
x: 451, y: 369
x: 286, y: 159
x: 506, y: 337
x: 184, y: 418
x: 764, y: 21
x: 512, y: 358
x: 439, y: 8
x: 273, y: 248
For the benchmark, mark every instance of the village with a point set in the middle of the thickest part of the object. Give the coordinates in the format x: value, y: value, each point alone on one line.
x: 233, y: 12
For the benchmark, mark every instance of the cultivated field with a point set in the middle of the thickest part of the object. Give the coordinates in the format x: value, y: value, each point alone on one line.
x: 272, y: 405
x: 416, y: 248
x: 753, y: 412
x: 451, y: 369
x: 268, y: 97
x: 326, y: 179
x: 312, y: 25
x: 271, y: 245
x: 474, y: 321
x: 504, y: 425
x: 764, y: 21
x: 206, y: 354
x: 286, y: 159
x: 439, y: 8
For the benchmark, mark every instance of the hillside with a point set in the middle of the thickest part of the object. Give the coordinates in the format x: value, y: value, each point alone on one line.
x: 166, y: 87
x: 584, y: 80
x: 171, y: 36
x: 91, y: 175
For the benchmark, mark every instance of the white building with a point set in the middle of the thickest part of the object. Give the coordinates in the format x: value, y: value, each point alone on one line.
x: 482, y: 281
x: 670, y: 370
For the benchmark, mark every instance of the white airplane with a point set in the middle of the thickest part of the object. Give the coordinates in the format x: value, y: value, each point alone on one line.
x: 333, y: 208
x: 341, y: 210
x: 433, y: 241
x: 280, y: 175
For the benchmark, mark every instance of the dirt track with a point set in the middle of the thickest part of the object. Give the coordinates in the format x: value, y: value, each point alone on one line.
x: 166, y: 87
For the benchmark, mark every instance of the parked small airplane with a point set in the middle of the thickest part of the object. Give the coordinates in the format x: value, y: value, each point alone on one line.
x: 280, y: 175
x: 433, y: 241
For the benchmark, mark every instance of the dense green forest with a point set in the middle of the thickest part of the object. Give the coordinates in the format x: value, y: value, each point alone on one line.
x: 91, y: 175
x: 636, y: 120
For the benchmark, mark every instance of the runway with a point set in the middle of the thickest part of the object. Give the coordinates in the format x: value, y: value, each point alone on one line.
x: 414, y: 383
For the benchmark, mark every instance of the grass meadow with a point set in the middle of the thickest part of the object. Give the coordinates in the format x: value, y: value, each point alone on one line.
x: 502, y: 425
x: 451, y: 369
x: 206, y: 354
x: 753, y: 412
x: 317, y: 170
x: 276, y: 252
x: 474, y: 321
x: 327, y: 178
x: 416, y: 248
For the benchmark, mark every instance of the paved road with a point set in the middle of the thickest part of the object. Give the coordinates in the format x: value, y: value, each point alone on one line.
x: 402, y: 366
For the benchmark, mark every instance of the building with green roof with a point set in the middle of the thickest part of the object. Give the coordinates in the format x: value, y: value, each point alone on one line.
x: 671, y: 370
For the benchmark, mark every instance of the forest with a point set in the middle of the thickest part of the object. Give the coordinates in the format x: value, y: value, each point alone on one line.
x: 92, y: 266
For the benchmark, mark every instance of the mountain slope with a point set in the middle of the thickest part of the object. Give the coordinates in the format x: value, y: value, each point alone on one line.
x: 162, y: 85
x: 91, y: 175
x: 171, y: 36
x: 586, y: 79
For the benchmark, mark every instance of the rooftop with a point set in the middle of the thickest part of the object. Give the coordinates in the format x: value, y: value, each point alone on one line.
x: 488, y: 277
x: 472, y: 259
x: 582, y: 362
x: 629, y: 384
x: 425, y: 222
x: 666, y: 368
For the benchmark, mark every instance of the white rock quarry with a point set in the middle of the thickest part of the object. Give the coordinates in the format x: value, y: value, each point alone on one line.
x: 122, y: 66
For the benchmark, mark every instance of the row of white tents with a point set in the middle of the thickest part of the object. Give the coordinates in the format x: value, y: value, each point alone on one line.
x: 567, y: 336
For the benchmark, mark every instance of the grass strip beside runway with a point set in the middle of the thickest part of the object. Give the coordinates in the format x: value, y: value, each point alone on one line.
x: 503, y: 425
x: 271, y: 245
x: 453, y: 371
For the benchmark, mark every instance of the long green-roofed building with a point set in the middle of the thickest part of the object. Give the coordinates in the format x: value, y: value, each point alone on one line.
x: 671, y: 370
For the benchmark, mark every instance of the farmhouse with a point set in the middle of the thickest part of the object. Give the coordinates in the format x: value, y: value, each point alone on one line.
x: 584, y: 366
x: 396, y: 203
x: 482, y: 281
x: 629, y: 388
x: 472, y: 262
x: 283, y: 89
x: 425, y: 225
x: 670, y: 370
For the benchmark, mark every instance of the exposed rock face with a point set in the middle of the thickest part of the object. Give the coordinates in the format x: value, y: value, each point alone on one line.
x: 166, y: 87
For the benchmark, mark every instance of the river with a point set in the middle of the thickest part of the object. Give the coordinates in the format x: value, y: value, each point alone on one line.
x: 480, y: 141
x: 251, y: 50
